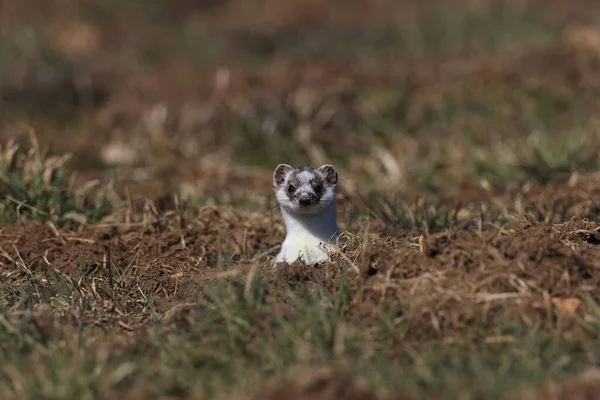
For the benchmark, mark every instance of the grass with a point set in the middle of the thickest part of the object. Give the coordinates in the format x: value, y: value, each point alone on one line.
x: 231, y: 335
x: 466, y: 141
x: 39, y: 188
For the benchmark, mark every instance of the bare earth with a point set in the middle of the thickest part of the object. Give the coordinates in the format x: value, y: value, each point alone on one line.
x: 467, y: 139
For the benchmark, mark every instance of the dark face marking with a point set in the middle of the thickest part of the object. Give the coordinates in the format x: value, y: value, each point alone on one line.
x: 318, y: 188
x: 317, y: 185
x: 293, y: 184
x: 306, y: 190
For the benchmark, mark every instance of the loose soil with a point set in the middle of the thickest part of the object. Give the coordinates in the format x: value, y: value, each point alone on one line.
x: 439, y: 284
x: 133, y: 102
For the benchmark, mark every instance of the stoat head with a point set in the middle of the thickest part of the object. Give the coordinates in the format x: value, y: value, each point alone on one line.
x: 305, y: 190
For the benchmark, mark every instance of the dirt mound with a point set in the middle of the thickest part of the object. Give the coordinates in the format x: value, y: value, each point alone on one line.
x: 166, y: 259
x: 460, y: 280
x: 215, y: 233
x: 445, y: 285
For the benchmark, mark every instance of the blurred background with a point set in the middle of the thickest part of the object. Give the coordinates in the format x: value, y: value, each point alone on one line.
x: 201, y: 97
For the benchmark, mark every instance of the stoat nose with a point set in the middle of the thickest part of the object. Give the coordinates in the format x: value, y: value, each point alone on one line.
x: 304, y: 200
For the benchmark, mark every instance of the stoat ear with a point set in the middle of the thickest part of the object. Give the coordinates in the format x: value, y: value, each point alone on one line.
x: 329, y: 173
x: 280, y: 174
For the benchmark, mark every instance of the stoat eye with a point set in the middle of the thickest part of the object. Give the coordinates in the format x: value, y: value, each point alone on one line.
x: 318, y: 189
x: 291, y: 189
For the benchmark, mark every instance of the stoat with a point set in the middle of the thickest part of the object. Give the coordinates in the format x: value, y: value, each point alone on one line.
x: 306, y: 197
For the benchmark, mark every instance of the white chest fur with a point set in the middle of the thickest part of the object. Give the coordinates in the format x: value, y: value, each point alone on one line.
x: 309, y: 237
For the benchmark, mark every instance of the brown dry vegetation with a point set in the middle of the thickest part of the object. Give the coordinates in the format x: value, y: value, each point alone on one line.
x: 139, y: 263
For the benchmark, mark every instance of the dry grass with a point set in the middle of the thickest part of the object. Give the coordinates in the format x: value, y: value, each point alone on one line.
x: 138, y: 265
